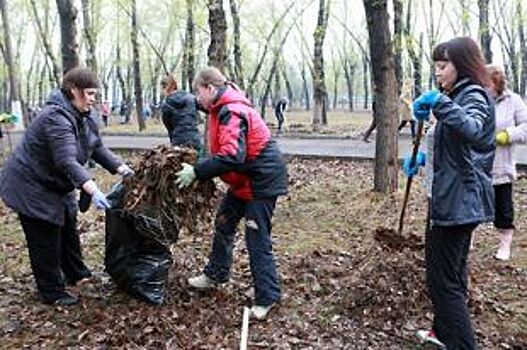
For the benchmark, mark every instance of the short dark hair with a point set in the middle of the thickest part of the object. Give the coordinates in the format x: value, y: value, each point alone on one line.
x: 80, y: 78
x: 465, y: 55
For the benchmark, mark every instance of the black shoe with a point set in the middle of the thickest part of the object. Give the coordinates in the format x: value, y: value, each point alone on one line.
x: 64, y: 300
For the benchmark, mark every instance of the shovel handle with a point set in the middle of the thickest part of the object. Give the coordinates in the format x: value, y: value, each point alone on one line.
x: 415, y: 150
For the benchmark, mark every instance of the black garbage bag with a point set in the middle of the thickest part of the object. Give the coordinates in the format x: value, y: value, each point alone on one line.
x: 137, y: 262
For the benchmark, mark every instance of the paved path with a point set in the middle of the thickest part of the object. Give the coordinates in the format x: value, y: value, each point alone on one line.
x: 330, y: 147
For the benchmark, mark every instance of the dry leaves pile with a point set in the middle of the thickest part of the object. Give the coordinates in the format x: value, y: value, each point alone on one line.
x: 152, y: 192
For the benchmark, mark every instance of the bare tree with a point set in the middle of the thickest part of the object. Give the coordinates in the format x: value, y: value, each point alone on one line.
x: 237, y: 51
x: 319, y: 84
x: 68, y: 32
x: 7, y: 51
x: 415, y: 56
x: 398, y: 42
x: 385, y: 83
x: 217, y: 52
x: 89, y: 34
x: 484, y: 30
x: 523, y: 47
x: 190, y: 43
x: 45, y: 43
x: 137, y: 70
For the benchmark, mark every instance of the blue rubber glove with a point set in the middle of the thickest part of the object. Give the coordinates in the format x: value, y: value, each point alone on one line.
x: 186, y: 176
x: 99, y: 199
x: 424, y: 104
x: 420, y: 160
x: 125, y: 171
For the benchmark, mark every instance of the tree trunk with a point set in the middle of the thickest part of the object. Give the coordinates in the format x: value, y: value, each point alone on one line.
x: 383, y: 71
x: 305, y: 88
x: 14, y: 93
x: 336, y: 77
x: 415, y: 58
x: 268, y: 82
x: 398, y: 42
x: 365, y: 82
x: 217, y: 52
x: 137, y: 70
x: 237, y: 51
x: 349, y: 73
x: 319, y: 84
x: 119, y: 74
x: 89, y: 34
x: 523, y: 48
x: 68, y: 33
x: 289, y: 89
x: 277, y: 84
x: 484, y: 29
x: 44, y: 38
x: 189, y: 43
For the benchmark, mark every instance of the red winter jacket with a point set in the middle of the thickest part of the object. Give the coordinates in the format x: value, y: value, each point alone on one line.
x: 242, y: 152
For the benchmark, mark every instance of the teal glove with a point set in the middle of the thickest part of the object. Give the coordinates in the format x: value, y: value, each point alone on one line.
x: 412, y: 169
x: 424, y: 104
x: 185, y: 176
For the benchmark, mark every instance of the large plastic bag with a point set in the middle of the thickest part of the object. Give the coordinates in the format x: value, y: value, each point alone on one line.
x: 137, y: 262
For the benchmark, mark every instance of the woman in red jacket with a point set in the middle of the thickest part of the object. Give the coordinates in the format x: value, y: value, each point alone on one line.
x: 245, y: 157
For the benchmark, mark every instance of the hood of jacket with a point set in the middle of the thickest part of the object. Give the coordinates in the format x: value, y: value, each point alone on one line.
x: 227, y: 94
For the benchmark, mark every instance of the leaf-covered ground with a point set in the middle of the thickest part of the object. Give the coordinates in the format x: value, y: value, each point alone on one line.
x: 341, y: 288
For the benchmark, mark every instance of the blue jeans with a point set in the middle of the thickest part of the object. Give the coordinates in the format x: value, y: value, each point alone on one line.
x: 258, y: 214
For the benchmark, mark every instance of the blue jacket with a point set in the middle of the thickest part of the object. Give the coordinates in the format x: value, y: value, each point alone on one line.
x: 180, y: 117
x: 464, y: 146
x: 47, y: 165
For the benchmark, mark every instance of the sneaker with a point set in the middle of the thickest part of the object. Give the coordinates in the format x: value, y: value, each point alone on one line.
x: 429, y: 340
x: 201, y: 282
x: 259, y: 312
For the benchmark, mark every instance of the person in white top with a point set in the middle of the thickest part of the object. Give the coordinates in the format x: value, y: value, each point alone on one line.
x: 511, y: 129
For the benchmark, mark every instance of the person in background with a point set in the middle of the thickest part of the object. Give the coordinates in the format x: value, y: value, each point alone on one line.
x: 405, y: 110
x: 39, y: 180
x: 105, y: 113
x: 511, y: 129
x: 180, y: 115
x: 373, y: 123
x: 279, y: 111
x: 462, y: 195
x: 243, y: 155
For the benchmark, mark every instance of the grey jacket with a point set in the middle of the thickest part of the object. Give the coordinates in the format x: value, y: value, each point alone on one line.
x: 464, y: 146
x: 180, y: 117
x: 47, y: 165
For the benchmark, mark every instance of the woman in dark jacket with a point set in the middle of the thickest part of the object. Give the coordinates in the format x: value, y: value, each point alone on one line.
x: 244, y: 156
x: 39, y: 181
x: 180, y: 115
x: 462, y: 192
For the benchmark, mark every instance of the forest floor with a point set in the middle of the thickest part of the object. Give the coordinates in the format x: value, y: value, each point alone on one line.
x: 342, y: 289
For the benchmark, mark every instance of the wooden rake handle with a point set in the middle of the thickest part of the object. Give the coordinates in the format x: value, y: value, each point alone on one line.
x: 415, y: 150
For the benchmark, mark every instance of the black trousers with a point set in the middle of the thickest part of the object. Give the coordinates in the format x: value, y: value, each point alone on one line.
x: 504, y: 207
x: 55, y: 255
x: 279, y: 118
x: 446, y: 251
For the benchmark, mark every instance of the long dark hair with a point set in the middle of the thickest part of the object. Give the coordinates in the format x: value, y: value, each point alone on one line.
x: 465, y: 55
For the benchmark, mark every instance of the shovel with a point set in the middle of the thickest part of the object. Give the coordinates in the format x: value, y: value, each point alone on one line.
x: 415, y: 150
